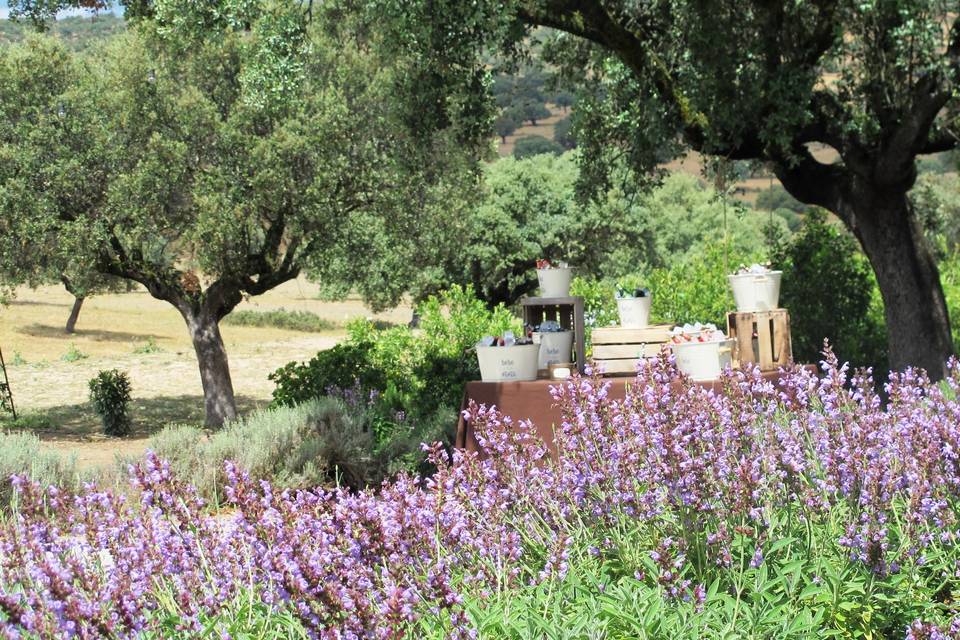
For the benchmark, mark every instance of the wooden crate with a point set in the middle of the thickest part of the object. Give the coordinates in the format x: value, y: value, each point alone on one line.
x: 618, y: 350
x: 568, y: 312
x: 762, y: 338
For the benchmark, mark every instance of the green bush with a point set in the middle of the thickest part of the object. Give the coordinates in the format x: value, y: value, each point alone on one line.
x: 21, y: 454
x: 831, y: 293
x: 110, y: 395
x: 344, y: 365
x: 26, y: 421
x: 321, y: 442
x: 418, y: 375
x: 950, y: 280
x: 528, y: 146
x: 692, y: 291
x: 147, y: 347
x: 280, y: 319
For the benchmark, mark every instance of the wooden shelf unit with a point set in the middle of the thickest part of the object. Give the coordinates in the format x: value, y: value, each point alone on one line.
x: 568, y: 312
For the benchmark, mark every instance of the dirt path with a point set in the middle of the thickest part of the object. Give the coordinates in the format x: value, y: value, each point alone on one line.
x: 114, y: 331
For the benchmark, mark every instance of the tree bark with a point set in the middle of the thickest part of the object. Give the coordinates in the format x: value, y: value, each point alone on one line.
x: 918, y: 324
x: 74, y: 314
x: 218, y: 397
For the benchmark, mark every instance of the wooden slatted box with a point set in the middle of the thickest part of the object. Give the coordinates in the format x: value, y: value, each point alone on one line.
x: 618, y: 350
x: 568, y: 312
x: 762, y: 338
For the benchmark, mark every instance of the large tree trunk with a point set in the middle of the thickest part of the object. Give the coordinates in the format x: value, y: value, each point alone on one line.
x: 918, y: 326
x: 214, y: 369
x: 74, y: 314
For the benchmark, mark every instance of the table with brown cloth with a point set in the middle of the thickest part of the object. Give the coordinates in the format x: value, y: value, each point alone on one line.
x: 532, y: 401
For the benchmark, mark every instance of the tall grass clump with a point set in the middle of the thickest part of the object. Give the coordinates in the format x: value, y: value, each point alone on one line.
x: 793, y: 510
x: 280, y: 319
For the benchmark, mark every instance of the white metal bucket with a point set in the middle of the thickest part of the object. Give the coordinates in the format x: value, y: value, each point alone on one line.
x: 555, y: 283
x: 555, y: 347
x: 514, y: 363
x: 756, y: 291
x: 703, y: 360
x: 634, y: 312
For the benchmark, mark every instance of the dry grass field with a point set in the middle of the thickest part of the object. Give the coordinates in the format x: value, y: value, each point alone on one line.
x: 50, y: 386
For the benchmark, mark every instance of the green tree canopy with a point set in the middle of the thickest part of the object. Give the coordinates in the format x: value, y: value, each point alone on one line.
x: 504, y: 125
x: 529, y: 109
x: 206, y: 165
x: 563, y: 134
x: 528, y: 209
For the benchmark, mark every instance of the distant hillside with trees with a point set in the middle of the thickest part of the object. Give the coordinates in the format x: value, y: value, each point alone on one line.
x: 76, y: 32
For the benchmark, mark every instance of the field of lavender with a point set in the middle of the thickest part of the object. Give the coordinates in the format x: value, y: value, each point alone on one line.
x: 807, y: 509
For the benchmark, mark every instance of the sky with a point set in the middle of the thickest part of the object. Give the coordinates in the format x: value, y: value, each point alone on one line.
x: 5, y: 11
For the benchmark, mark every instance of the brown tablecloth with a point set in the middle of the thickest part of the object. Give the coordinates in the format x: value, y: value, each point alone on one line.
x: 532, y: 401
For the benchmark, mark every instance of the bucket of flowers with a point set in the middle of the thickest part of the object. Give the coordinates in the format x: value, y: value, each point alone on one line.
x: 756, y: 288
x: 702, y: 351
x: 554, y: 278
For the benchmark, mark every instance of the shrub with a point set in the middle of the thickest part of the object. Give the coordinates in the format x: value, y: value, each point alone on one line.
x: 936, y: 201
x: 950, y: 280
x: 110, y: 395
x: 407, y: 384
x: 691, y: 291
x: 339, y: 367
x: 776, y: 197
x: 22, y: 455
x: 26, y: 421
x: 422, y: 371
x: 322, y: 442
x: 831, y: 293
x: 280, y: 319
x: 528, y: 146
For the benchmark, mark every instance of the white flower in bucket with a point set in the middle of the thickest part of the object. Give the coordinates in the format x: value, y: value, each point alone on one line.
x: 554, y: 279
